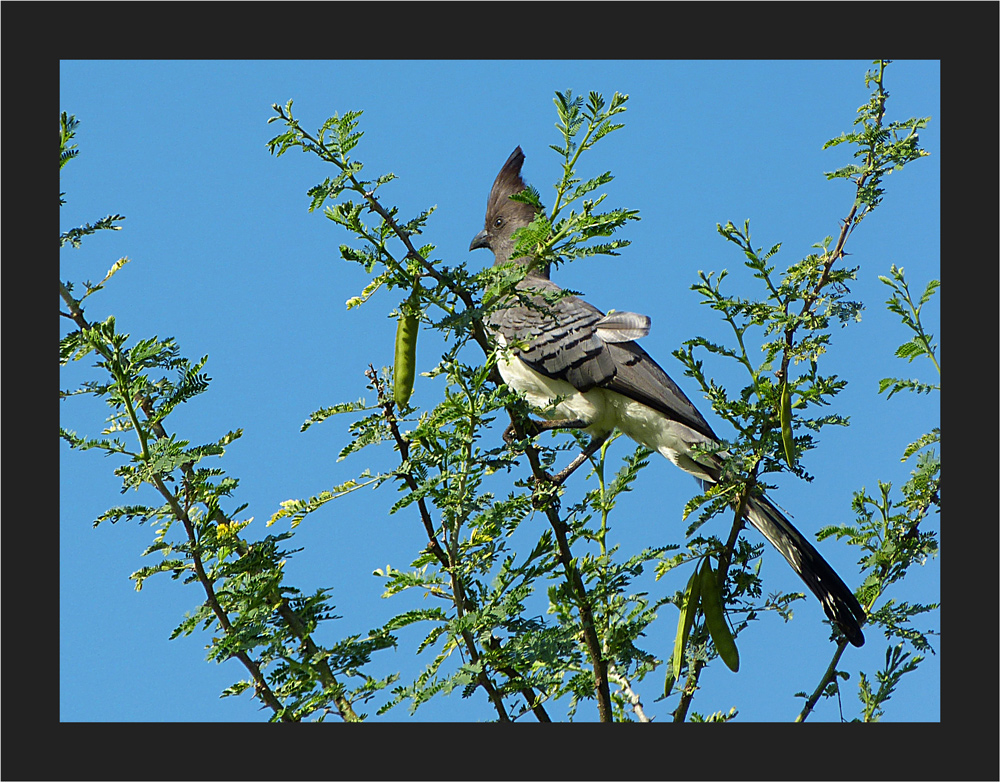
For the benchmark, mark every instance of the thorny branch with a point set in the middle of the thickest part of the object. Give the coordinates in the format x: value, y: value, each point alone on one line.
x: 449, y: 566
x: 588, y: 627
x: 282, y: 605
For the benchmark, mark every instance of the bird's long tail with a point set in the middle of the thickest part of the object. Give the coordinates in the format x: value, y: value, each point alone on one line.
x: 839, y: 602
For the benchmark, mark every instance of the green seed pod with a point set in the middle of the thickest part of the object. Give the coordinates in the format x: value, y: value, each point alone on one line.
x: 786, y: 424
x: 405, y: 367
x: 715, y: 618
x: 689, y: 607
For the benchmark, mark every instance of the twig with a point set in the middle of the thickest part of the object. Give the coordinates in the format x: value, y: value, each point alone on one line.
x: 629, y: 694
x: 829, y: 676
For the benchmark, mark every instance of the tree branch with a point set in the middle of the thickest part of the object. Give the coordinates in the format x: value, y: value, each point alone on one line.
x: 587, y: 625
x: 630, y: 695
x: 829, y: 676
x: 435, y: 547
x: 283, y: 607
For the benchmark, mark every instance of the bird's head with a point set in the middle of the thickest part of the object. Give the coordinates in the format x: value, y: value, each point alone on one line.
x: 503, y: 216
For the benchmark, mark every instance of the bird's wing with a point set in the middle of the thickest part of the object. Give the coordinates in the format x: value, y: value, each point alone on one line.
x: 638, y: 377
x: 572, y: 340
x: 557, y: 338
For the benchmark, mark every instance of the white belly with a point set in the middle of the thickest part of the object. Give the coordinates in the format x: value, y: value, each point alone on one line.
x: 543, y: 392
x: 603, y: 411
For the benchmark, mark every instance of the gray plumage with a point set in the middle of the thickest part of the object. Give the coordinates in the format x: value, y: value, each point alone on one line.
x: 574, y: 363
x: 622, y: 326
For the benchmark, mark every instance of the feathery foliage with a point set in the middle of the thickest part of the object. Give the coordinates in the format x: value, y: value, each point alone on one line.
x: 523, y: 597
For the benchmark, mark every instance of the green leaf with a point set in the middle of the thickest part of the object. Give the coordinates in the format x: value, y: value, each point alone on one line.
x: 297, y: 510
x: 343, y: 407
x: 75, y: 236
x: 910, y: 350
x: 128, y: 512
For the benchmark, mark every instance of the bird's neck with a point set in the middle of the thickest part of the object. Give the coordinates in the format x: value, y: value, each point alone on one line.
x: 538, y: 272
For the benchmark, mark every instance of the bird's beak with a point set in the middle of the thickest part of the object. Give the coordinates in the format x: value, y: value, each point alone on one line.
x: 480, y: 240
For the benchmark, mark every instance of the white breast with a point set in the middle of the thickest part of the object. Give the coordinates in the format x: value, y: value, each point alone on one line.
x: 543, y: 392
x: 603, y: 411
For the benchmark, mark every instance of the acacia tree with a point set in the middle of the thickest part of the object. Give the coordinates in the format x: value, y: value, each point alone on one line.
x: 556, y: 619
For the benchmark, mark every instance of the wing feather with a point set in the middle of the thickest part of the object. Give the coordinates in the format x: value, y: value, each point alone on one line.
x: 572, y: 340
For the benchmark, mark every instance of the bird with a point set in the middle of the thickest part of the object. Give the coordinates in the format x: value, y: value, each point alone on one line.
x: 578, y: 367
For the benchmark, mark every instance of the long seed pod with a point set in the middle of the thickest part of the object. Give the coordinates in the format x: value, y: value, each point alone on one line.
x: 405, y: 367
x: 715, y: 618
x: 786, y: 424
x: 689, y: 607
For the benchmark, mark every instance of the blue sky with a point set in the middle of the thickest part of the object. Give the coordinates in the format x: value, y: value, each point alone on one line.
x: 227, y: 259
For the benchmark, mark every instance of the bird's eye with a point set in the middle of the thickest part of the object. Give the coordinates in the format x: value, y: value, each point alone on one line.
x: 498, y: 222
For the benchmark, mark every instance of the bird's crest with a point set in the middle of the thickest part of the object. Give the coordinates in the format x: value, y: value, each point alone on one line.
x: 508, y: 183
